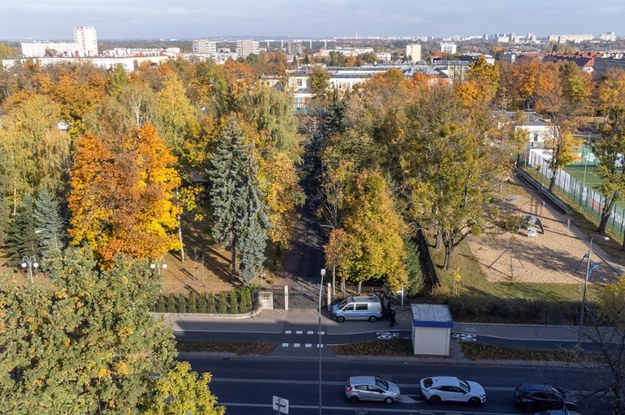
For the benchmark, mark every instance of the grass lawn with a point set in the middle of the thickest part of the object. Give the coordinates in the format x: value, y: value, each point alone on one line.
x: 475, y: 283
x: 577, y: 172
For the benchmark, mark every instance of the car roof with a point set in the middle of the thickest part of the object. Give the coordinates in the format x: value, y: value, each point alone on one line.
x: 362, y: 380
x: 444, y: 380
x: 533, y: 387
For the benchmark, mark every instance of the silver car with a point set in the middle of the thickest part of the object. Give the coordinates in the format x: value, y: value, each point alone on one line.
x: 370, y: 388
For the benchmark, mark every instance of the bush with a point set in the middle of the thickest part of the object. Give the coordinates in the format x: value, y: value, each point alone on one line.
x: 413, y: 267
x: 192, y: 303
x: 171, y: 304
x: 211, y: 304
x: 234, y: 305
x: 245, y: 305
x: 223, y: 304
x: 160, y: 305
x: 202, y: 304
x: 182, y: 303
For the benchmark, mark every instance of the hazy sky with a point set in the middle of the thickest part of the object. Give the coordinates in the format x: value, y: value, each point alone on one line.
x: 184, y: 19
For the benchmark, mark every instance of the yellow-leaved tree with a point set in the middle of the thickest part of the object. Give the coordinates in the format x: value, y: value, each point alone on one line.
x: 121, y: 195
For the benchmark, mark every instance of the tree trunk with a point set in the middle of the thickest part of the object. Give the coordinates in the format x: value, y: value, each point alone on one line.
x: 606, y: 211
x: 449, y: 250
x: 359, y: 287
x: 180, y: 239
x: 552, y: 180
x: 233, y: 258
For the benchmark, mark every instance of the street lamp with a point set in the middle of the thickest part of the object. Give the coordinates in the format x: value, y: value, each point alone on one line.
x: 30, y: 262
x: 323, y: 273
x: 583, y: 311
x: 158, y: 265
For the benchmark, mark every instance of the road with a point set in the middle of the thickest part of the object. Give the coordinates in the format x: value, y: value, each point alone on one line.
x: 247, y: 385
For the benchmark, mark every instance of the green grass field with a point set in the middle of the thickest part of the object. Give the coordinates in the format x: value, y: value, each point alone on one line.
x: 589, y: 178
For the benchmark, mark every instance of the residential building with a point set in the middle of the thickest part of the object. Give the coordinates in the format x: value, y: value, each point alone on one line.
x: 86, y: 41
x: 41, y: 49
x: 608, y: 37
x: 413, y: 52
x: 204, y: 47
x: 448, y: 48
x: 569, y: 38
x: 535, y: 126
x: 246, y: 48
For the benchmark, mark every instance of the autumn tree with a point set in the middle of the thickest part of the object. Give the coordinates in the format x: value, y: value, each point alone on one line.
x: 374, y: 246
x: 182, y: 391
x: 239, y: 218
x: 122, y: 195
x: 86, y: 345
x: 446, y: 169
x: 611, y: 98
x: 481, y: 85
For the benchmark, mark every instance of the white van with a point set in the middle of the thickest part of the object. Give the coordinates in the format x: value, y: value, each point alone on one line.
x: 358, y: 308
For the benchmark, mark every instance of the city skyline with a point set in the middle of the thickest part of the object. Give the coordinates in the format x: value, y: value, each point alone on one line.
x: 189, y: 19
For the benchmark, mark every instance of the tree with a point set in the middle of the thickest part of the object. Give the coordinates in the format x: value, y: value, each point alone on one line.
x: 374, y: 246
x: 445, y: 168
x: 86, y: 345
x: 122, y: 195
x: 335, y: 250
x: 239, y: 219
x: 182, y: 391
x: 611, y: 145
x: 22, y: 240
x: 50, y: 227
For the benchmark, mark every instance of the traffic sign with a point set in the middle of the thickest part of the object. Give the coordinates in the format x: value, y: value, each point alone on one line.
x: 280, y: 405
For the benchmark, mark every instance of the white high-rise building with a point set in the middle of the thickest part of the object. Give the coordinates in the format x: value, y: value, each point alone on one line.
x: 246, y: 47
x: 202, y: 46
x: 86, y: 40
x: 448, y: 48
x: 413, y: 52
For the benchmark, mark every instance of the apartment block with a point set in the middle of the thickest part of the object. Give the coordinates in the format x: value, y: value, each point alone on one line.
x: 413, y: 52
x: 205, y: 47
x: 246, y: 48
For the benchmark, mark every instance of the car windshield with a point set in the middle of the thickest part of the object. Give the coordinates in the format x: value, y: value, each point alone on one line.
x: 559, y: 392
x: 464, y: 385
x: 381, y: 384
x: 342, y: 303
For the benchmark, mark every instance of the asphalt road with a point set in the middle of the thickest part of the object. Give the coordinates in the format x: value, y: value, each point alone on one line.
x: 247, y: 385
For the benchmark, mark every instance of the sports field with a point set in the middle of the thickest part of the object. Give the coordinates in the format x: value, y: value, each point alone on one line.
x: 577, y: 172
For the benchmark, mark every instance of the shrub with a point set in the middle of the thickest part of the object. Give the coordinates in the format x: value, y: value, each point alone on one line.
x: 182, y: 303
x: 211, y: 304
x: 171, y: 304
x: 234, y: 305
x: 223, y: 304
x: 192, y: 303
x: 202, y: 304
x: 160, y: 305
x: 245, y: 305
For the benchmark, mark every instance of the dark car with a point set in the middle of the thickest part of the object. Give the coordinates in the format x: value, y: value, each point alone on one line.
x: 538, y: 396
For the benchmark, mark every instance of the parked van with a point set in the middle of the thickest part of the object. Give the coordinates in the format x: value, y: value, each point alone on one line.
x: 358, y: 308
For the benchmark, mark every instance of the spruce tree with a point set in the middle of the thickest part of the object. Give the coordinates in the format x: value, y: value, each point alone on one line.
x: 160, y: 306
x: 49, y: 227
x: 239, y: 219
x: 22, y: 240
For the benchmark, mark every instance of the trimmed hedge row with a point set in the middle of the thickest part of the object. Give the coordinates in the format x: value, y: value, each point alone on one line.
x: 228, y: 302
x: 488, y: 309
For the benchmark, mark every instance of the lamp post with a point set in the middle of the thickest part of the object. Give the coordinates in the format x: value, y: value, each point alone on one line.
x: 323, y: 273
x: 583, y: 311
x: 158, y: 265
x: 30, y: 262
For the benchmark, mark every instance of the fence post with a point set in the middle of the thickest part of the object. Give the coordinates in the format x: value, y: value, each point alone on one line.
x: 329, y: 301
x: 286, y: 297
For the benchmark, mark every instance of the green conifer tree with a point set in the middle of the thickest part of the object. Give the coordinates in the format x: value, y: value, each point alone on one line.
x: 201, y: 307
x: 234, y: 304
x: 22, y: 240
x: 239, y: 218
x: 171, y: 303
x: 182, y: 303
x: 160, y: 306
x: 223, y: 303
x: 212, y: 309
x: 49, y: 227
x: 192, y: 303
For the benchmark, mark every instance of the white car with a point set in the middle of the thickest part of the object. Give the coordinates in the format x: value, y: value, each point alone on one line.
x: 437, y: 389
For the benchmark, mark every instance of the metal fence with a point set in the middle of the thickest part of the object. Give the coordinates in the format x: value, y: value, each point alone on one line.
x: 579, y: 194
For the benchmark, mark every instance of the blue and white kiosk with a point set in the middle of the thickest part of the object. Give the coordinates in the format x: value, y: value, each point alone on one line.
x: 431, y: 329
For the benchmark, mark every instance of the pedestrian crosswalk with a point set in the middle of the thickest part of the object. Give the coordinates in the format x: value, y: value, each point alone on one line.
x: 299, y: 338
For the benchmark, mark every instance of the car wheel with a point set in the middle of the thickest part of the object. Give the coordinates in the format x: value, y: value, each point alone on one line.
x: 341, y: 319
x: 372, y: 318
x: 474, y: 401
x: 435, y: 400
x: 389, y: 400
x: 354, y: 399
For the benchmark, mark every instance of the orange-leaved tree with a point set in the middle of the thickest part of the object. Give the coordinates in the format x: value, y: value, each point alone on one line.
x: 122, y: 195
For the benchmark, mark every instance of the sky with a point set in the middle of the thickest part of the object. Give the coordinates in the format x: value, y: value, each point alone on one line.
x: 196, y: 19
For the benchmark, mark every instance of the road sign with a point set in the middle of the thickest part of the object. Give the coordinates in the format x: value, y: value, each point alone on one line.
x: 280, y: 405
